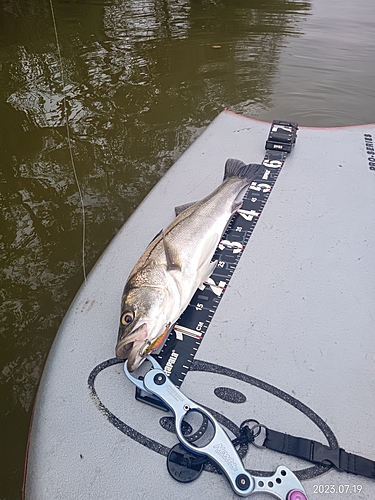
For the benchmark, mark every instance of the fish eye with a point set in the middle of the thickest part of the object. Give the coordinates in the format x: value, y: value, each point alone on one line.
x: 127, y: 318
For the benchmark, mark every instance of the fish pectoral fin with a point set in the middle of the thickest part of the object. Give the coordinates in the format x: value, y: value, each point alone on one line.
x: 210, y: 269
x: 172, y: 265
x: 205, y: 266
x: 181, y: 208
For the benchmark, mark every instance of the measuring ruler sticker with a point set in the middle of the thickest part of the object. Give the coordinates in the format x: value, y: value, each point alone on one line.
x: 187, y: 334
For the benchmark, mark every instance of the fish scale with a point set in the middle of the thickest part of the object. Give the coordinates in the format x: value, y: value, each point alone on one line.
x: 185, y: 338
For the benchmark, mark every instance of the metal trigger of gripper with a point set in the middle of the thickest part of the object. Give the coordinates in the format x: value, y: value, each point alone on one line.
x: 283, y: 484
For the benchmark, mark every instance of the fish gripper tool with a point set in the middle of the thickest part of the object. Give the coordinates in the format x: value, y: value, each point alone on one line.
x: 283, y: 484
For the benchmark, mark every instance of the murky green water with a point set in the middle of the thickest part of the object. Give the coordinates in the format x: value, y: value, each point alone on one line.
x: 141, y: 81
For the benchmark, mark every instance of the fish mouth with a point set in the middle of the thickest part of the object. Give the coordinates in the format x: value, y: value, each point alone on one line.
x: 135, y: 359
x: 129, y: 347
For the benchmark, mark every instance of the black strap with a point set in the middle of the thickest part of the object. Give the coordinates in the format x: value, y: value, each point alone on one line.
x: 318, y: 453
x: 307, y: 449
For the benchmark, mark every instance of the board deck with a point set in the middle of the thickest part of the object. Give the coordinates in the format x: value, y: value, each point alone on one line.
x: 291, y: 343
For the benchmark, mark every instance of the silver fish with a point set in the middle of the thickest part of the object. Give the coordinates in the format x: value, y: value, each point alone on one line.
x: 175, y: 264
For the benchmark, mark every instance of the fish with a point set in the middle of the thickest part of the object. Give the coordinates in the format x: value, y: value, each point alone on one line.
x: 175, y: 264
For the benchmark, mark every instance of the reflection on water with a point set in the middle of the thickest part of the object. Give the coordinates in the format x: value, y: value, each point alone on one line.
x: 142, y: 78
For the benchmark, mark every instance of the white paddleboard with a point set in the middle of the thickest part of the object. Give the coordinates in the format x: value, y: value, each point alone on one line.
x: 291, y: 344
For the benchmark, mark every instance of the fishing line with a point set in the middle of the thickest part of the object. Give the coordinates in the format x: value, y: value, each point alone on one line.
x: 69, y: 143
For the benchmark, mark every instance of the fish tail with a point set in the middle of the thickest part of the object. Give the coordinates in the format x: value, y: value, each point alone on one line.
x: 237, y: 168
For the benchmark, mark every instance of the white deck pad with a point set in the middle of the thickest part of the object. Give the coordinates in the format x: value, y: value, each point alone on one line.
x: 292, y: 342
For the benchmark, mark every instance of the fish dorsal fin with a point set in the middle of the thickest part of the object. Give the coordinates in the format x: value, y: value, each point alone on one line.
x: 171, y: 264
x: 181, y: 208
x: 156, y: 236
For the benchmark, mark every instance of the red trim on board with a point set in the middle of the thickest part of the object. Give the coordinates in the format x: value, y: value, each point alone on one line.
x: 309, y: 128
x: 29, y: 433
x: 28, y: 445
x: 226, y: 110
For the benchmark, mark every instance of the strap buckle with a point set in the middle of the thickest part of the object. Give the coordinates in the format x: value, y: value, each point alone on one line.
x: 282, y: 136
x: 324, y: 455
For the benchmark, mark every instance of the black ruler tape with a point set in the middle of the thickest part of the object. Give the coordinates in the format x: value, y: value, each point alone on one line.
x: 185, y: 338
